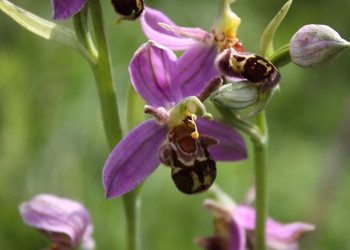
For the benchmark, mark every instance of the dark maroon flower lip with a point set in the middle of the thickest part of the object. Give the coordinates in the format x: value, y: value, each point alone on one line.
x: 254, y: 68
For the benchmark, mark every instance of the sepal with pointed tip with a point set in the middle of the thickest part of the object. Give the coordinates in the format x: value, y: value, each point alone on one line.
x: 237, y: 95
x: 266, y: 43
x: 64, y: 9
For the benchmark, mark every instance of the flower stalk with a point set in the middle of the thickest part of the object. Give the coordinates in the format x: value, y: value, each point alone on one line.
x: 104, y: 81
x: 131, y: 203
x: 260, y: 162
x: 103, y: 77
x: 258, y: 133
x: 234, y: 119
x: 281, y: 57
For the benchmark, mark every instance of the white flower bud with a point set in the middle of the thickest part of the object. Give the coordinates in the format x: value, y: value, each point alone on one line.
x: 316, y: 45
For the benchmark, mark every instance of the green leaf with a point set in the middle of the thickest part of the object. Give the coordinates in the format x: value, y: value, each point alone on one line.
x: 44, y: 28
x: 266, y: 43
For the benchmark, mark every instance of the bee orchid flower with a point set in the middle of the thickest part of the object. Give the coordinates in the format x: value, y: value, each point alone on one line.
x: 176, y: 137
x: 202, y: 48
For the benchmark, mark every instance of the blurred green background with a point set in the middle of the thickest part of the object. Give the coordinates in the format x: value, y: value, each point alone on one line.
x: 52, y: 139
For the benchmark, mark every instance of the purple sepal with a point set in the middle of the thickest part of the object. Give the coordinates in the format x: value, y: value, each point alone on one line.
x: 67, y: 223
x: 155, y: 76
x: 150, y: 25
x: 237, y: 238
x: 231, y: 146
x: 133, y: 159
x: 278, y: 236
x: 193, y: 33
x: 196, y: 68
x: 64, y: 9
x: 229, y: 235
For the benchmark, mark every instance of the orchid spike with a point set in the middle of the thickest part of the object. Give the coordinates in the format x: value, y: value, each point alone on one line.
x: 202, y: 48
x: 178, y: 136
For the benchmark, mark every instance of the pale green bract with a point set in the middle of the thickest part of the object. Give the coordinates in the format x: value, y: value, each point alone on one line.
x: 266, y: 42
x: 44, y: 28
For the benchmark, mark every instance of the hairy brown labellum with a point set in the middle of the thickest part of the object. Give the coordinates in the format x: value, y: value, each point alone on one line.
x: 130, y: 9
x: 254, y: 68
x: 192, y: 168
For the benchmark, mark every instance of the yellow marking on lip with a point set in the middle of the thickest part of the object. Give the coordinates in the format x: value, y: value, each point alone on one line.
x: 196, y: 182
x: 207, y: 180
x: 267, y: 66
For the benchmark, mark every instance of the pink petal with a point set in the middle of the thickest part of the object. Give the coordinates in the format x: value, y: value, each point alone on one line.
x: 154, y: 75
x: 133, y: 159
x: 231, y: 145
x: 193, y: 33
x: 278, y: 236
x: 63, y: 9
x: 196, y: 67
x: 237, y: 235
x: 245, y: 216
x: 286, y: 233
x: 53, y: 214
x: 150, y: 25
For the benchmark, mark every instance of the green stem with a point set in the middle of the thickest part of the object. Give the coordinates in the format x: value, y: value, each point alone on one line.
x: 131, y: 202
x: 252, y: 130
x: 103, y: 77
x: 259, y: 136
x: 216, y: 193
x: 281, y: 57
x: 260, y: 159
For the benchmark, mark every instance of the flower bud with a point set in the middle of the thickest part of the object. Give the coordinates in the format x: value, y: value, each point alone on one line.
x: 316, y: 45
x: 238, y: 95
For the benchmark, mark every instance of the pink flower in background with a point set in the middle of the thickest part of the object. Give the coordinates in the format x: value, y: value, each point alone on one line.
x: 235, y: 225
x: 65, y: 222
